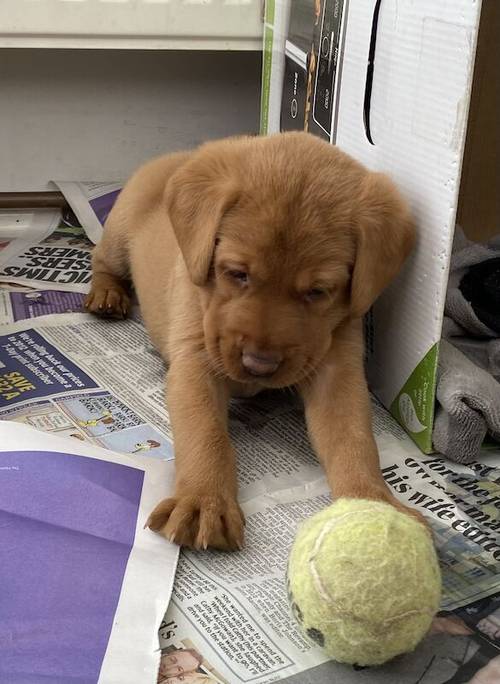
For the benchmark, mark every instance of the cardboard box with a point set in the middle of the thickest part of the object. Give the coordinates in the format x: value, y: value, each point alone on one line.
x: 390, y: 82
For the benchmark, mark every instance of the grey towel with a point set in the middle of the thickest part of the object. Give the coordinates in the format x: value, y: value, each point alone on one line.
x: 469, y: 406
x: 484, y: 353
x: 467, y: 254
x: 461, y: 324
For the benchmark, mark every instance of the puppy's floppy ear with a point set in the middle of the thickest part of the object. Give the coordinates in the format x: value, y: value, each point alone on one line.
x: 385, y: 235
x: 196, y: 197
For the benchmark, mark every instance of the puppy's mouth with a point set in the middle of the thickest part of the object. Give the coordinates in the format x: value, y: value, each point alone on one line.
x: 270, y: 379
x: 264, y: 372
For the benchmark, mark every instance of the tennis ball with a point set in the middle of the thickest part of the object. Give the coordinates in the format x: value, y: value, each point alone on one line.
x: 364, y: 581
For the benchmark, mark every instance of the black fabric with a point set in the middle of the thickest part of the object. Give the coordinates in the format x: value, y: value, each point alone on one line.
x: 481, y: 287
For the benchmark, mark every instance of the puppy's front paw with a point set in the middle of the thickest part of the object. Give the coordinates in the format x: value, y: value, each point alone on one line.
x: 411, y: 511
x: 110, y: 302
x: 387, y: 496
x: 200, y: 521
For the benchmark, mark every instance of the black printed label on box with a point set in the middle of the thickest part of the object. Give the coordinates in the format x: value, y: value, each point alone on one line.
x: 313, y: 51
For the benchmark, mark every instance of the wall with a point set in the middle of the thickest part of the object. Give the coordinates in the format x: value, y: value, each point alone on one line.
x: 90, y: 114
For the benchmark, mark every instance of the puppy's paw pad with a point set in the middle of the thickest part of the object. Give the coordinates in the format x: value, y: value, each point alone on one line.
x: 108, y: 302
x: 200, y: 522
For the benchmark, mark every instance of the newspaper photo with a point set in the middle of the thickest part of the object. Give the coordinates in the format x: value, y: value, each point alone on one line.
x: 20, y: 303
x: 75, y: 559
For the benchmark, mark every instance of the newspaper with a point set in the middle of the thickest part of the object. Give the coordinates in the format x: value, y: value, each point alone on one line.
x: 91, y: 202
x: 102, y: 382
x: 52, y: 255
x: 49, y: 253
x: 77, y: 376
x: 229, y: 621
x: 26, y: 224
x: 59, y: 259
x: 75, y: 559
x: 233, y: 609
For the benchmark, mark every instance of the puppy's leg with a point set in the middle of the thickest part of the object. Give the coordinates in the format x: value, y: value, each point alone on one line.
x: 339, y: 421
x: 204, y: 510
x: 108, y: 294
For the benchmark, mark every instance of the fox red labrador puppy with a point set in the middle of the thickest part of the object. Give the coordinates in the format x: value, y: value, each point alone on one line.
x: 254, y: 261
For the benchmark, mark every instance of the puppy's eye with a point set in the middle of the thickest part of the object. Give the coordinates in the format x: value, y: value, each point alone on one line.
x: 240, y: 277
x: 314, y: 294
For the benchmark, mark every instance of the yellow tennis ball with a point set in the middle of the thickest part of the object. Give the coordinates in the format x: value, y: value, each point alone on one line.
x: 364, y: 581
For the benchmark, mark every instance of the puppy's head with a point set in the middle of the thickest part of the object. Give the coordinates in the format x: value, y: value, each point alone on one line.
x: 286, y: 237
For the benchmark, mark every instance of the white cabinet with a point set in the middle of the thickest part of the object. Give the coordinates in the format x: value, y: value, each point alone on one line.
x: 142, y: 24
x: 99, y: 86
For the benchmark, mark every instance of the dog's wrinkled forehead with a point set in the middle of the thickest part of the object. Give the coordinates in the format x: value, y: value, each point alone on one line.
x: 298, y: 222
x: 298, y: 189
x: 286, y: 237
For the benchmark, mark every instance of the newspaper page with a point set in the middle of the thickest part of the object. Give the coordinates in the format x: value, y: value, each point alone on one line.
x: 229, y: 620
x: 60, y: 261
x: 229, y: 615
x: 91, y: 202
x: 77, y: 376
x: 232, y: 609
x: 26, y: 224
x: 72, y: 518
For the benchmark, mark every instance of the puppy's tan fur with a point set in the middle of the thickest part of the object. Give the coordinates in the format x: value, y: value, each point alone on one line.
x: 258, y: 246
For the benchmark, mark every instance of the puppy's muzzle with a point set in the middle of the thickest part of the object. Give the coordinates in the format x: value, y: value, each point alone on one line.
x: 261, y: 364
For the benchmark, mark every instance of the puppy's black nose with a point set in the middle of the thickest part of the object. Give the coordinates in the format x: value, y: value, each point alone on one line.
x: 261, y: 363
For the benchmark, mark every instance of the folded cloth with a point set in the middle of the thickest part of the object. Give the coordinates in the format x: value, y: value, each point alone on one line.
x: 472, y: 278
x: 484, y: 353
x: 472, y: 310
x: 468, y: 406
